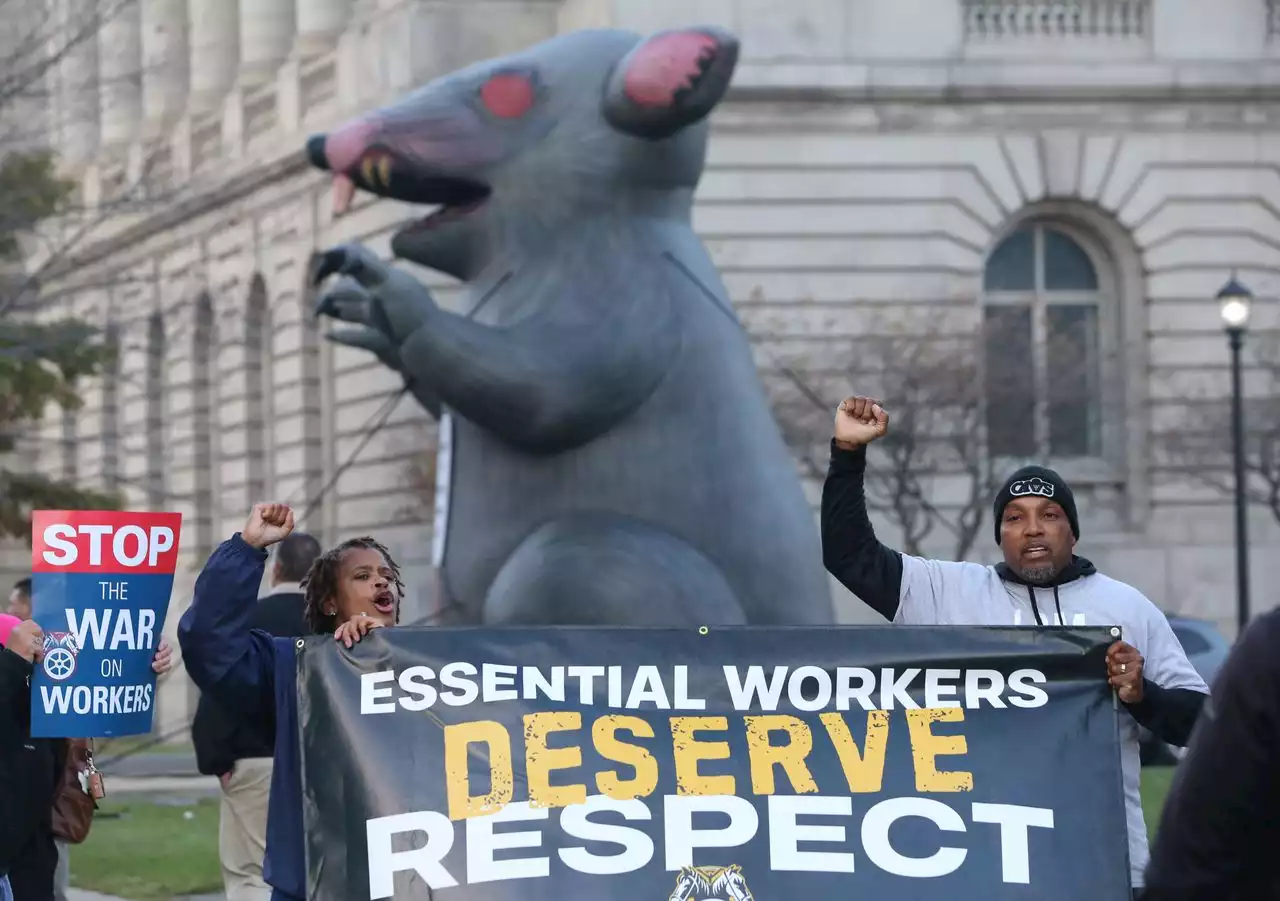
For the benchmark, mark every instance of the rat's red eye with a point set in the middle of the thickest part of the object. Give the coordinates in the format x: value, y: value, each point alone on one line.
x: 507, y: 96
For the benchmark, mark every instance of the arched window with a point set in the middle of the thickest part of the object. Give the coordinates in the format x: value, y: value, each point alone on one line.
x: 1046, y: 310
x: 259, y: 446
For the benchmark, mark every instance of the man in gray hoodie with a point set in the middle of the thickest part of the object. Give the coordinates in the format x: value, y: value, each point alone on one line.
x: 1041, y: 582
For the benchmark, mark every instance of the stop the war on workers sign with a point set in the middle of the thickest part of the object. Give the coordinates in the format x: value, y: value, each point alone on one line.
x: 539, y: 764
x: 100, y: 591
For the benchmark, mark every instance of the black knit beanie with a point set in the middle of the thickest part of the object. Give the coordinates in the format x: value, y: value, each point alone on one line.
x: 1037, y: 481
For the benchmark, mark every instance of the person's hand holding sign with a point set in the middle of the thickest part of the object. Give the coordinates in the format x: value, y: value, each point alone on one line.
x: 1124, y: 666
x: 163, y: 661
x: 355, y: 629
x: 268, y: 523
x: 27, y: 640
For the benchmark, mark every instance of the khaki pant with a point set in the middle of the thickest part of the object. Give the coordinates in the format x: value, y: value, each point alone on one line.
x: 242, y: 830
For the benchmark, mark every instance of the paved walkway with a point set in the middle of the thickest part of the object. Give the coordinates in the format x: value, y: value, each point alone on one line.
x: 131, y: 785
x: 79, y: 894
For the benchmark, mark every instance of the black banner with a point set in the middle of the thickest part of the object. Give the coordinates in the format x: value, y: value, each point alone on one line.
x: 744, y: 763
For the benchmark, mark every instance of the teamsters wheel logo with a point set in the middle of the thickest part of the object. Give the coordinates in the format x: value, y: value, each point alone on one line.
x: 60, y: 650
x: 711, y: 884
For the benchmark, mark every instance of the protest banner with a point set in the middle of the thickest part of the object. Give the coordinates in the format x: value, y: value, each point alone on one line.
x: 100, y: 586
x: 670, y: 765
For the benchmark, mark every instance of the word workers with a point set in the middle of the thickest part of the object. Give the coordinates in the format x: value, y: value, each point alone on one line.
x: 805, y: 688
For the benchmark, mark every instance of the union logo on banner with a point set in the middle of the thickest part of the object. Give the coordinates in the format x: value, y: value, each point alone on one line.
x: 60, y: 652
x: 711, y: 884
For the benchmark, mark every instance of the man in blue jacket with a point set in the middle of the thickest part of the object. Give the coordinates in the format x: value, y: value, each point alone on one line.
x: 349, y: 590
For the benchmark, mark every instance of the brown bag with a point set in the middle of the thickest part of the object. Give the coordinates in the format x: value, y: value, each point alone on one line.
x: 78, y: 793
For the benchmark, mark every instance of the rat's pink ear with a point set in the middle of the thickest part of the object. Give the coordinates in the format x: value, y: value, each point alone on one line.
x: 669, y: 81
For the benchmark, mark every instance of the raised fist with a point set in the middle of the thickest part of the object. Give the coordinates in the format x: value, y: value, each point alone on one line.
x: 860, y: 420
x: 27, y: 640
x: 268, y: 523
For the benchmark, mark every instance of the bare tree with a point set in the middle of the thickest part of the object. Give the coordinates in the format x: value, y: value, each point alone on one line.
x: 1195, y: 437
x: 45, y: 222
x: 419, y: 473
x: 931, y: 473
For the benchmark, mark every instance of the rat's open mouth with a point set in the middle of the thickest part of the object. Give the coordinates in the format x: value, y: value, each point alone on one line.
x: 381, y: 172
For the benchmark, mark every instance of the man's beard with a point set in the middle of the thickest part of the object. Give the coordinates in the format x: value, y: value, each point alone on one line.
x: 1038, y: 573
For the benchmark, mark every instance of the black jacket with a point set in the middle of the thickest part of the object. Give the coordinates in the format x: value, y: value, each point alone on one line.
x: 30, y: 770
x: 220, y: 736
x: 1219, y: 830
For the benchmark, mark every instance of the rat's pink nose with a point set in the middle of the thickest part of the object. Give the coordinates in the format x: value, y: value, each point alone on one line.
x: 340, y: 150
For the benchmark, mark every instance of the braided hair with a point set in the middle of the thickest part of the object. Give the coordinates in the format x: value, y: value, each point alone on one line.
x: 321, y: 582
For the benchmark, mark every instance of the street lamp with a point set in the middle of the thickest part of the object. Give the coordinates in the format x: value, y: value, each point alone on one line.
x: 1234, y: 301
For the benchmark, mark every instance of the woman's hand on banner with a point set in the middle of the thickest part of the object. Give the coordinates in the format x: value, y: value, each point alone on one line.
x: 163, y: 661
x: 1124, y: 667
x: 27, y: 640
x: 355, y: 629
x: 268, y: 523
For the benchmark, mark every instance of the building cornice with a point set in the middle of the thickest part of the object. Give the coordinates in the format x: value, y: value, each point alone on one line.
x: 235, y: 188
x: 1007, y: 81
x: 953, y: 94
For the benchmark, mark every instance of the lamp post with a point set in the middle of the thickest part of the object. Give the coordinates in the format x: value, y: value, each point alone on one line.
x: 1234, y: 301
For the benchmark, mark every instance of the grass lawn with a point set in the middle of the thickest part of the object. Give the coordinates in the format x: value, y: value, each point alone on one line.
x: 148, y: 851
x: 1155, y: 785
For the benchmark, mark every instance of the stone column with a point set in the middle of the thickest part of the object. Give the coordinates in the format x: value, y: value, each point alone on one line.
x: 165, y: 62
x: 120, y: 61
x: 239, y: 401
x: 266, y: 35
x: 319, y: 24
x: 137, y: 382
x: 297, y: 421
x: 215, y: 50
x: 77, y: 81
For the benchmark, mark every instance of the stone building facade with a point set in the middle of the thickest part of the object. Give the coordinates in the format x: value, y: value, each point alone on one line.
x: 1100, y: 165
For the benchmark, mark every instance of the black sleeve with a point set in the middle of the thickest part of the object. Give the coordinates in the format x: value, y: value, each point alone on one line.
x: 850, y: 550
x: 15, y: 686
x: 1170, y: 713
x: 213, y: 734
x: 1217, y: 833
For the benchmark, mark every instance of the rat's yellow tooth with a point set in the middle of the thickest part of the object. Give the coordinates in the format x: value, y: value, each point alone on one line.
x: 384, y: 170
x: 366, y: 170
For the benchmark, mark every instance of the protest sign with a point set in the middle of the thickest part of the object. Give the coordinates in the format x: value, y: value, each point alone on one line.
x: 766, y: 763
x: 100, y: 591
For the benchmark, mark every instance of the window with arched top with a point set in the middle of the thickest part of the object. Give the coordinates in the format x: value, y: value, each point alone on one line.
x: 259, y: 446
x: 1047, y: 307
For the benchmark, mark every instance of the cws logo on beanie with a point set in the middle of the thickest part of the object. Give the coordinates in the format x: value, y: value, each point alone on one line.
x: 1037, y: 481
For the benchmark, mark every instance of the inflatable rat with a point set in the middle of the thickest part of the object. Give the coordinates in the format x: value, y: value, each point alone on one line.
x: 609, y: 454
